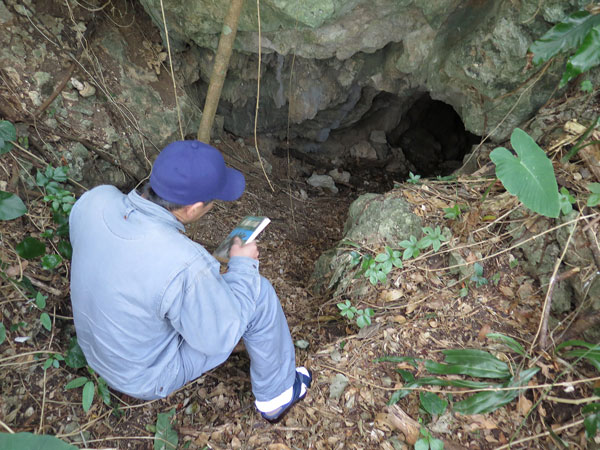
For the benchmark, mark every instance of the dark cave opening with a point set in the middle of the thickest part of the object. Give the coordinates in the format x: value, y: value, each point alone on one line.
x: 432, y: 137
x: 397, y: 135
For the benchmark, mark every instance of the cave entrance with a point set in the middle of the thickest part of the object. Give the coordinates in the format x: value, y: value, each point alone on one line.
x: 406, y: 134
x: 432, y: 137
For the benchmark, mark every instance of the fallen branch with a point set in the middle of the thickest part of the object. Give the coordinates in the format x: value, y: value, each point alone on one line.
x: 404, y: 423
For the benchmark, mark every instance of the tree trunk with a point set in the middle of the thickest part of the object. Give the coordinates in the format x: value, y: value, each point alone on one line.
x: 219, y: 71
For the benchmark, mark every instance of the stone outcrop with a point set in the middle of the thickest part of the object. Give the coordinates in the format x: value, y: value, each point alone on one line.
x: 324, y: 61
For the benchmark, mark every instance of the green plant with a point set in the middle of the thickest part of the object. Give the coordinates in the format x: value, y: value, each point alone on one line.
x: 565, y: 200
x: 529, y: 176
x: 579, y: 32
x: 412, y: 247
x: 428, y: 441
x: 40, y: 302
x: 11, y: 206
x: 413, y: 179
x: 477, y: 276
x: 2, y: 333
x: 453, y: 212
x: 363, y: 316
x: 594, y: 198
x: 8, y: 133
x: 33, y: 441
x: 90, y: 387
x: 472, y: 363
x: 432, y: 403
x: 433, y: 238
x: 591, y: 353
x: 587, y: 86
x: 91, y: 384
x: 165, y: 436
x: 53, y: 360
x: 378, y: 268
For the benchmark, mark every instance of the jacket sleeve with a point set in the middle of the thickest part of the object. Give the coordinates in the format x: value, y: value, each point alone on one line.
x: 209, y: 310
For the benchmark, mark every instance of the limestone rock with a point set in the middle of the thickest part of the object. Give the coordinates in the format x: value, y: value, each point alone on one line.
x: 374, y: 220
x: 363, y: 150
x: 323, y: 181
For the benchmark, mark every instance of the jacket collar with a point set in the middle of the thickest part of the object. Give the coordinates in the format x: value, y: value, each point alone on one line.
x: 152, y: 210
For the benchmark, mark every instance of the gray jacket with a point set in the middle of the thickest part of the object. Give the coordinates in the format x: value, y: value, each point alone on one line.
x: 140, y: 287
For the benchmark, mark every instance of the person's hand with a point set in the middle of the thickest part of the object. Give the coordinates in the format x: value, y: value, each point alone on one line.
x: 249, y: 250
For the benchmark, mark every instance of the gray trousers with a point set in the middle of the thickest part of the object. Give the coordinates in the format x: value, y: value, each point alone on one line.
x: 268, y: 342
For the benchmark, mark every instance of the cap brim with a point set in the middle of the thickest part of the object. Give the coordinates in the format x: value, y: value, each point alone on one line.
x: 233, y: 187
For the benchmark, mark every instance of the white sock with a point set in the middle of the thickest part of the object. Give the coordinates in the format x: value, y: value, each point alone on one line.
x: 283, y: 398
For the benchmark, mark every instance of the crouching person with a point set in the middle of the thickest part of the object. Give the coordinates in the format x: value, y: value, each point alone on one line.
x: 152, y: 311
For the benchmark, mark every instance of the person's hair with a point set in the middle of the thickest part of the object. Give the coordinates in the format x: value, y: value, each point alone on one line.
x: 148, y: 193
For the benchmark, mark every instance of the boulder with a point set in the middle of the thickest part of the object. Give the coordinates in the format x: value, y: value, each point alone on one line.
x: 374, y: 220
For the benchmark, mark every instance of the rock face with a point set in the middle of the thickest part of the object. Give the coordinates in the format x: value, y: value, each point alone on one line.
x: 122, y: 108
x: 325, y: 61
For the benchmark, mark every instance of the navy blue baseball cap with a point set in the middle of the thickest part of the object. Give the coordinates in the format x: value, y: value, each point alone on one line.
x: 187, y: 172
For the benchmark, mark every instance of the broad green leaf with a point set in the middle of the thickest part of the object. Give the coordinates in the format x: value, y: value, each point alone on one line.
x: 31, y: 441
x: 564, y: 36
x: 40, y: 300
x: 592, y: 407
x: 46, y: 322
x: 433, y: 381
x: 592, y: 356
x: 65, y: 249
x: 50, y: 262
x: 11, y: 206
x: 509, y: 342
x: 406, y: 375
x: 488, y: 401
x: 433, y: 404
x: 594, y: 199
x: 7, y: 133
x: 77, y: 382
x: 529, y: 176
x: 397, y: 396
x: 30, y: 248
x: 475, y: 358
x: 591, y: 423
x: 461, y: 369
x: 436, y: 444
x: 422, y: 444
x: 166, y: 437
x: 103, y: 391
x: 2, y: 333
x: 586, y: 56
x: 382, y: 257
x: 87, y: 397
x: 60, y: 174
x: 576, y: 343
x: 75, y: 357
